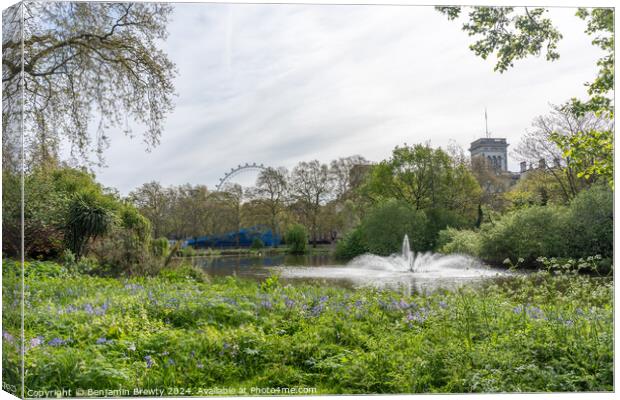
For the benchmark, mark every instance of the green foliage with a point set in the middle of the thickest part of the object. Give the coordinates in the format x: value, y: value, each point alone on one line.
x: 454, y: 241
x: 352, y: 245
x: 591, y: 152
x: 590, y: 226
x: 297, y: 239
x: 160, y: 247
x: 527, y: 233
x: 386, y: 225
x: 89, y: 216
x: 257, y: 244
x: 188, y: 251
x: 532, y: 333
x: 183, y: 273
x: 507, y: 35
x: 583, y: 228
x: 425, y: 178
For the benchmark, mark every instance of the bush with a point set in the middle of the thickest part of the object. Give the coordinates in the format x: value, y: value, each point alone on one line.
x: 297, y: 239
x: 386, y: 225
x: 257, y: 244
x: 183, y: 273
x: 454, y: 241
x: 590, y: 228
x: 160, y: 247
x: 526, y: 233
x: 351, y: 246
x: 89, y: 216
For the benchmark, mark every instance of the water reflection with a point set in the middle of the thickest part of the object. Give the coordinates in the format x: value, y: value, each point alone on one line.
x: 322, y: 269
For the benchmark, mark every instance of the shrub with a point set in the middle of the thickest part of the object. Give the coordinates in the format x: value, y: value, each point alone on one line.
x: 526, y: 233
x: 452, y: 240
x: 297, y: 239
x: 386, y: 225
x: 89, y: 216
x: 183, y: 273
x: 590, y: 228
x: 351, y: 246
x: 257, y: 244
x: 160, y: 247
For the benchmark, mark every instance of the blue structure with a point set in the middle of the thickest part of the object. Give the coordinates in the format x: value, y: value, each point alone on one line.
x: 245, y: 235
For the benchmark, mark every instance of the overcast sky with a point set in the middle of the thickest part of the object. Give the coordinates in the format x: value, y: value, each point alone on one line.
x: 278, y: 84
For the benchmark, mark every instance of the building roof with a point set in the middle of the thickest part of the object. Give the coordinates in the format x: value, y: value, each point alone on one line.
x: 485, y: 142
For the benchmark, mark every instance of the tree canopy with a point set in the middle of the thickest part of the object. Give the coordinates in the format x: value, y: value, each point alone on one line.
x: 82, y: 61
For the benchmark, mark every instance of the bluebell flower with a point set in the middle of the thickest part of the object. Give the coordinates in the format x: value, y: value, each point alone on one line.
x: 102, y: 340
x: 535, y: 313
x: 37, y: 341
x: 323, y: 299
x: 403, y: 304
x: 289, y: 303
x: 517, y: 310
x: 266, y: 304
x: 8, y: 337
x: 89, y: 309
x: 316, y: 310
x: 170, y: 361
x: 443, y: 304
x: 56, y: 342
x: 358, y: 303
x: 149, y: 361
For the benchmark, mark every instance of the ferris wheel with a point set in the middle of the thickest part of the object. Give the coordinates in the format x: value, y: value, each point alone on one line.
x: 240, y: 169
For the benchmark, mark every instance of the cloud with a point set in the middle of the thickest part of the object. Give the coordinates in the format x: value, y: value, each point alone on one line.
x: 278, y: 84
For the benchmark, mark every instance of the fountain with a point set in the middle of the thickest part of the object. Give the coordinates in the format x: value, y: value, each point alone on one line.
x: 422, y: 269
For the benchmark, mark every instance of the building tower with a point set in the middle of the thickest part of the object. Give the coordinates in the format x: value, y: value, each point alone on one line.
x: 494, y: 152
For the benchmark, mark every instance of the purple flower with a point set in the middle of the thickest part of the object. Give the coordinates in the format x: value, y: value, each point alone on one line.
x: 443, y: 304
x: 89, y: 309
x: 323, y: 299
x: 149, y: 361
x: 535, y: 313
x: 517, y: 310
x: 170, y: 361
x: 403, y: 304
x: 8, y: 337
x: 358, y: 303
x: 316, y: 310
x: 289, y: 303
x: 34, y: 342
x: 56, y: 342
x: 103, y: 340
x: 266, y: 304
x: 417, y: 317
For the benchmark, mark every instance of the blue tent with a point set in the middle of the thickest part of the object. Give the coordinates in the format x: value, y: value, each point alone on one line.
x: 246, y: 236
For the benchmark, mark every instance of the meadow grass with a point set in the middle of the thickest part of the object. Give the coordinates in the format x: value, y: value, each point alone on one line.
x: 531, y: 333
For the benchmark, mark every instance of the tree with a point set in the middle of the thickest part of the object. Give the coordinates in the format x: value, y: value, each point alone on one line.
x: 340, y: 172
x: 311, y: 187
x: 540, y: 146
x: 155, y: 203
x: 425, y: 178
x: 89, y: 216
x: 271, y: 189
x: 511, y: 36
x: 81, y: 60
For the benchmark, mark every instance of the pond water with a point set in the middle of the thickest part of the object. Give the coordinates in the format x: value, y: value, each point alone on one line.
x: 406, y: 271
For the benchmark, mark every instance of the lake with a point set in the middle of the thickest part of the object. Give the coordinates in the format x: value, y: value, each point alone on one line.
x: 424, y: 272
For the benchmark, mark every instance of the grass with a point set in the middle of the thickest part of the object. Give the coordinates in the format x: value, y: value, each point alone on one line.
x: 535, y: 333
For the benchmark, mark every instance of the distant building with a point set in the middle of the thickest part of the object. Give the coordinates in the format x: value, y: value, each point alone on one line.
x: 493, y: 151
x: 489, y: 160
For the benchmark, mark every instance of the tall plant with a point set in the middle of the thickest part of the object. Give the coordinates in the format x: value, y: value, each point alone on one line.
x: 88, y: 217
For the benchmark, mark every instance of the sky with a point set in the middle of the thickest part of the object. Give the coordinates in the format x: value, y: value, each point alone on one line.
x: 279, y: 84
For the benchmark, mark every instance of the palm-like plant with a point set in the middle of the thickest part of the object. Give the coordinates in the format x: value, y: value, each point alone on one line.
x: 88, y: 218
